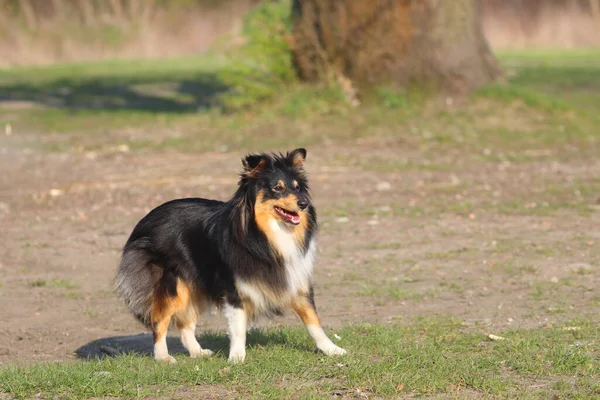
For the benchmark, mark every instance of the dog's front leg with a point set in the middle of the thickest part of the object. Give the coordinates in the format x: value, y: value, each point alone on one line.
x: 238, y: 321
x: 304, y: 305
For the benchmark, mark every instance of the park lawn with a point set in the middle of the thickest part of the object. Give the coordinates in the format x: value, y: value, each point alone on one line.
x: 412, y: 358
x: 548, y: 106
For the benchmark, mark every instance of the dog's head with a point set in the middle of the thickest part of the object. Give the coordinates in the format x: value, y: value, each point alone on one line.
x: 279, y: 185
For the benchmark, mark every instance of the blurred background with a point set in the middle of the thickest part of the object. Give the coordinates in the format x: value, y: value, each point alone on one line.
x: 47, y: 31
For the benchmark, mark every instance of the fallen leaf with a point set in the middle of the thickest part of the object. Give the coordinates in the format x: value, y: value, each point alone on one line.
x: 400, y: 387
x: 495, y: 337
x: 56, y: 192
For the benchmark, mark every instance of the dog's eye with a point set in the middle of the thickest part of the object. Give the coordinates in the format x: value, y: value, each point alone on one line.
x: 278, y: 188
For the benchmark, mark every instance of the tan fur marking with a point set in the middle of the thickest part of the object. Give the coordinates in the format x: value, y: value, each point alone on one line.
x: 296, y: 184
x: 298, y: 160
x: 165, y: 307
x: 188, y: 314
x: 160, y: 317
x: 306, y: 311
x: 256, y: 170
x: 281, y: 183
x: 249, y: 308
x: 289, y: 202
x: 264, y: 211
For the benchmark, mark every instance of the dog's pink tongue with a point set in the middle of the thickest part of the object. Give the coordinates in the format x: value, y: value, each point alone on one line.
x: 295, y: 219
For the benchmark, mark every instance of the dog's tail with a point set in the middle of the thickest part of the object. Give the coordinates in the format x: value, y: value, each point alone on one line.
x: 136, y: 281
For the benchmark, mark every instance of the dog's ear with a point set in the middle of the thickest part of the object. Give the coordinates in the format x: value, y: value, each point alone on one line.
x: 297, y: 157
x: 254, y: 163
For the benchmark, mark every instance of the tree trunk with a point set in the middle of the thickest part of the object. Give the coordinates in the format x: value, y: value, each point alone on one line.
x: 396, y: 42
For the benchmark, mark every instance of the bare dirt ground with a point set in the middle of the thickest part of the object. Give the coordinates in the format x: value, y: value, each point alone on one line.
x: 494, y: 244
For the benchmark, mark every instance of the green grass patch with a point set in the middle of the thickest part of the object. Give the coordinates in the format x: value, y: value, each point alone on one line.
x: 262, y: 66
x: 426, y: 357
x: 60, y: 286
x: 121, y: 71
x: 250, y: 100
x: 55, y: 283
x: 447, y: 255
x: 550, y: 57
x: 529, y: 97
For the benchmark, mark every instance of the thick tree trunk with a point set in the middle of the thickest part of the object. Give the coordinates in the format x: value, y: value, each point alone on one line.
x: 398, y: 42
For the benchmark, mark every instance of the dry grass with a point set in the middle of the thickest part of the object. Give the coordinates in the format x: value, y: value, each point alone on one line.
x: 46, y: 32
x: 544, y: 24
x: 34, y: 32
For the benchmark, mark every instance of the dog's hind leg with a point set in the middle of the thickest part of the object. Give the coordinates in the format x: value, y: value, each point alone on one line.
x: 171, y: 298
x: 186, y: 323
x: 304, y: 306
x: 160, y: 317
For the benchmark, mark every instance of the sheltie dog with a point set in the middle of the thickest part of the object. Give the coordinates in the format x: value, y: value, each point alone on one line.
x: 251, y: 256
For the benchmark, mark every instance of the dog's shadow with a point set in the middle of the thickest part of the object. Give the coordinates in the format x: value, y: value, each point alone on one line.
x: 143, y: 344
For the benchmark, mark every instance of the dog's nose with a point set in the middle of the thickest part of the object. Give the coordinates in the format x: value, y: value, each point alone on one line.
x: 302, y: 204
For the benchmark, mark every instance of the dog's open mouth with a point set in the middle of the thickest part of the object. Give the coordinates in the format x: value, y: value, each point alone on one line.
x: 288, y: 216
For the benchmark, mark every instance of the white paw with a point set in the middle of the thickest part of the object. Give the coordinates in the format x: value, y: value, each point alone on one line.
x: 237, y: 356
x: 201, y: 353
x: 166, y: 359
x: 331, y: 349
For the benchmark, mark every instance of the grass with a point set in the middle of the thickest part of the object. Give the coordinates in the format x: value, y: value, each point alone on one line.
x: 59, y: 283
x: 424, y: 357
x: 65, y: 287
x: 545, y: 111
x: 446, y: 255
x: 510, y: 268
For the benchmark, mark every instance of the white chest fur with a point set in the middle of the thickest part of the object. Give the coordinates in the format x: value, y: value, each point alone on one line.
x: 298, y: 269
x: 298, y: 265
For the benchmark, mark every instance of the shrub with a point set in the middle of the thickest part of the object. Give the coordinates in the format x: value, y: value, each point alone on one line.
x: 261, y: 66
